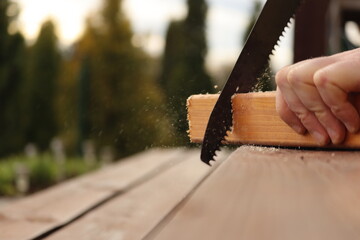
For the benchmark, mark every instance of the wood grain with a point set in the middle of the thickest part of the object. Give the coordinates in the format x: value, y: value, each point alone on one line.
x: 268, y: 193
x: 56, y: 206
x: 255, y: 121
x: 132, y: 215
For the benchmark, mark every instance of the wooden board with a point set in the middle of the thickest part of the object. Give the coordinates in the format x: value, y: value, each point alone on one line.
x: 56, y: 206
x: 133, y: 214
x: 255, y: 122
x: 268, y: 193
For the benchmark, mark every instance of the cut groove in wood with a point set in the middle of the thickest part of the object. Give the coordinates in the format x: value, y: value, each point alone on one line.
x: 255, y: 121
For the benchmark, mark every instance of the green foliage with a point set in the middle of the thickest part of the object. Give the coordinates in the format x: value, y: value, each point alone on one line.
x: 67, y: 109
x: 183, y: 66
x: 103, y: 88
x: 12, y: 60
x: 4, y: 24
x: 43, y: 172
x: 124, y: 102
x: 7, y: 180
x: 74, y: 167
x: 41, y: 86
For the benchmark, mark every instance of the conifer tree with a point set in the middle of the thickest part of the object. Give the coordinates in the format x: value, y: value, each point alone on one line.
x: 125, y: 103
x: 12, y: 60
x: 43, y: 75
x: 183, y: 66
x: 73, y: 92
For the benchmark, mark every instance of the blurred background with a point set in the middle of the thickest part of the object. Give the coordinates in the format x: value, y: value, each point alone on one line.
x: 87, y: 82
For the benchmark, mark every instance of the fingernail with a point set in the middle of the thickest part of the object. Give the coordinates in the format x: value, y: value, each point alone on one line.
x: 351, y: 128
x: 298, y: 129
x: 320, y: 138
x: 335, y: 136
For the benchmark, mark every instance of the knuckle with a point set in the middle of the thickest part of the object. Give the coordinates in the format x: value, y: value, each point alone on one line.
x: 321, y: 79
x: 357, y: 51
x: 337, y: 109
x: 304, y: 116
x: 315, y: 106
x: 280, y: 78
x: 356, y: 60
x: 320, y: 113
x: 293, y: 77
x: 282, y: 112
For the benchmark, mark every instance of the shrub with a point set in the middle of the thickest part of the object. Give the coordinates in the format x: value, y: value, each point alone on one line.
x: 43, y: 172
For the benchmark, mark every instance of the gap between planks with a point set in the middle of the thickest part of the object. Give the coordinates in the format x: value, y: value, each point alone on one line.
x: 255, y: 121
x: 132, y: 215
x: 42, y: 213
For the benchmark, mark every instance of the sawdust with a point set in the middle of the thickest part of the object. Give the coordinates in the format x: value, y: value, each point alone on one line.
x: 261, y: 149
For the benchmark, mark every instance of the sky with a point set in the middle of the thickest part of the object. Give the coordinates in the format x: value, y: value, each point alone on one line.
x: 226, y: 21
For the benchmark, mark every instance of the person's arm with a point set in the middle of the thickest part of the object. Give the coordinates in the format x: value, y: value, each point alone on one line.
x: 316, y: 95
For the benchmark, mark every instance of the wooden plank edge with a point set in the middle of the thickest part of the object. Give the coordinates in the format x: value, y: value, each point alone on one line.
x: 134, y: 216
x: 151, y: 235
x: 256, y: 185
x: 37, y: 224
x: 255, y: 121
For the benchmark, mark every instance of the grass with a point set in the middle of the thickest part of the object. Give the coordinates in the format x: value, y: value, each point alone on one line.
x: 42, y: 171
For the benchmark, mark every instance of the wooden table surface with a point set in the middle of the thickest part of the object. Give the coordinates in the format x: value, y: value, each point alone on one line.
x: 255, y: 193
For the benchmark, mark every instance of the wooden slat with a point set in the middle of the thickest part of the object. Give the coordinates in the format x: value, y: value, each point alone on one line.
x: 132, y: 215
x: 267, y: 193
x: 199, y: 110
x: 255, y: 122
x: 41, y: 212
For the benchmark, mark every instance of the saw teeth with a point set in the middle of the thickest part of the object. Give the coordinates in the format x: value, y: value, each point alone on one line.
x: 282, y: 36
x: 214, y: 154
x: 222, y: 133
x: 291, y: 20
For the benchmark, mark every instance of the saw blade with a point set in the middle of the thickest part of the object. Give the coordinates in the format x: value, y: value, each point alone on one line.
x: 269, y: 26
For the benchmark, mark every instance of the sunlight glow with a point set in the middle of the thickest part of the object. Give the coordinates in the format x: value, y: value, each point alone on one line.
x: 149, y: 18
x: 68, y: 15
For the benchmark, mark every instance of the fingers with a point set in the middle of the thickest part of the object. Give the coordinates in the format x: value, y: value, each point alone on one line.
x: 287, y: 115
x: 286, y: 82
x: 334, y: 84
x: 314, y: 95
x: 308, y: 94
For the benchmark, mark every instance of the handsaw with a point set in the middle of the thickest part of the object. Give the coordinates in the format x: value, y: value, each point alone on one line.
x: 273, y: 19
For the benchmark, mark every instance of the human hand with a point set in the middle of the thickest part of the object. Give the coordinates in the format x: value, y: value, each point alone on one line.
x: 317, y: 95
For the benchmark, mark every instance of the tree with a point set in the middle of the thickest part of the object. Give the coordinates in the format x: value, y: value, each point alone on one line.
x: 183, y: 66
x: 43, y: 73
x: 73, y: 92
x: 125, y: 105
x: 12, y: 60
